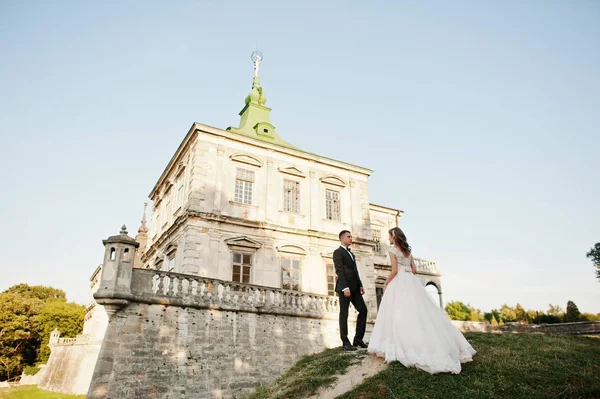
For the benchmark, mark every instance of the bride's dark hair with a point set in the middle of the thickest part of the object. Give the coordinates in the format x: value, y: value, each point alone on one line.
x: 400, y: 240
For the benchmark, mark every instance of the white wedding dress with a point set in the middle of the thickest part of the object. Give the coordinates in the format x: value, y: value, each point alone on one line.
x: 413, y: 330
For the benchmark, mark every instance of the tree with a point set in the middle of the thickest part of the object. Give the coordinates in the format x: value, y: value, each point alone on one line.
x: 27, y: 315
x: 37, y: 291
x: 555, y: 310
x: 65, y: 317
x: 507, y: 314
x: 521, y: 314
x: 594, y: 255
x: 573, y: 313
x: 458, y: 311
x: 589, y: 317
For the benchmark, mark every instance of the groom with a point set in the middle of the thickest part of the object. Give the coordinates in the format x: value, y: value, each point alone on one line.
x: 350, y: 289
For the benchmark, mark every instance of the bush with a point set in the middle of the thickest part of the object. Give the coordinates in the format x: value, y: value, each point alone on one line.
x: 30, y: 370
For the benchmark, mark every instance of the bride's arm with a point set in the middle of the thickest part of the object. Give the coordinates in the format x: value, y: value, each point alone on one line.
x: 412, y: 265
x: 394, y: 270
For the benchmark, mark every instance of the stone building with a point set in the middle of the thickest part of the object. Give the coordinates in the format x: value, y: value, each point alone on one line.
x: 245, y: 205
x: 240, y: 205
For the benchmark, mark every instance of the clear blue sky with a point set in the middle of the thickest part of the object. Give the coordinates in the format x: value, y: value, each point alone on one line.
x: 481, y: 121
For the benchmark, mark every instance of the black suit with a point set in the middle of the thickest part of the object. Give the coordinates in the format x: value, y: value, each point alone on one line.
x: 348, y: 277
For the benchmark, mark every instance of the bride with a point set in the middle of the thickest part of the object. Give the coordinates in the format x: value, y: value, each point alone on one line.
x: 410, y: 328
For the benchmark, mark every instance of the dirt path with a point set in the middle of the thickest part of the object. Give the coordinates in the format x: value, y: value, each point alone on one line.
x: 356, y: 374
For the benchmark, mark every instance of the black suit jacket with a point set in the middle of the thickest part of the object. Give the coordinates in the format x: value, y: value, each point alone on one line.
x: 346, y: 270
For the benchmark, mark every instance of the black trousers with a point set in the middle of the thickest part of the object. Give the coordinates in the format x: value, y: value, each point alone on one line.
x: 361, y: 322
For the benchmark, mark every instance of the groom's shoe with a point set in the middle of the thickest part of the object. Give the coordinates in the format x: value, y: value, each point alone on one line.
x: 348, y: 347
x: 361, y: 344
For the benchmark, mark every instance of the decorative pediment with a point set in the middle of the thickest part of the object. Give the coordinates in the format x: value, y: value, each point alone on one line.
x: 247, y: 159
x: 170, y: 249
x: 243, y: 241
x: 292, y: 171
x: 180, y: 169
x: 167, y: 186
x: 327, y: 254
x: 292, y: 249
x: 333, y: 180
x: 378, y: 223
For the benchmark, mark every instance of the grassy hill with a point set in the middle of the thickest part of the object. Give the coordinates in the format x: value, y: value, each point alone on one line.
x: 506, y: 366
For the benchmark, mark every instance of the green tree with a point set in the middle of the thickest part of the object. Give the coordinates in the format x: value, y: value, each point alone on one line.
x: 458, y: 311
x: 573, y: 313
x: 488, y: 316
x: 521, y: 314
x: 496, y: 314
x: 589, y: 317
x: 27, y: 316
x: 555, y: 310
x: 507, y: 314
x: 37, y: 291
x: 594, y: 255
x: 65, y: 317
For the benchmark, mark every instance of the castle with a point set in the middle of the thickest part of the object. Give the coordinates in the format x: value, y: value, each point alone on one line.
x: 243, y: 226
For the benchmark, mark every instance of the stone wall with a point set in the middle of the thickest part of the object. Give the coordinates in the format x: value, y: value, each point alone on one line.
x: 70, y: 366
x: 584, y: 327
x: 183, y: 336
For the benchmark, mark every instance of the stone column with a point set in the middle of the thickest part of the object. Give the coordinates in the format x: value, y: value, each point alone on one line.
x: 218, y: 179
x: 315, y: 200
x: 271, y: 209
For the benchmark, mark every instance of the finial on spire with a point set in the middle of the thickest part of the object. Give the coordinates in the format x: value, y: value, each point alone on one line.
x: 123, y: 230
x: 256, y: 57
x: 143, y: 228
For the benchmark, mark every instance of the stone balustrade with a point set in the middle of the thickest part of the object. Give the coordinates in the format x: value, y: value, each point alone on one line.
x: 426, y: 266
x: 157, y: 286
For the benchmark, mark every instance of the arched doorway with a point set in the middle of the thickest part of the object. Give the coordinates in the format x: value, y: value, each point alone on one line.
x: 434, y: 293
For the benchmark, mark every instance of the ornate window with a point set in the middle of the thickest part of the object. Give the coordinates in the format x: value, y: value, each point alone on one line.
x: 241, y: 267
x: 244, y: 183
x: 291, y: 272
x: 332, y: 205
x: 330, y: 278
x: 291, y: 196
x: 377, y: 239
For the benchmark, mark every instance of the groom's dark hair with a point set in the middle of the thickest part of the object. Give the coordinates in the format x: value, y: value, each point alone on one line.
x: 342, y: 233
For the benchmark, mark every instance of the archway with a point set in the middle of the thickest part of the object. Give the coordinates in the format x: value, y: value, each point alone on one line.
x: 434, y: 293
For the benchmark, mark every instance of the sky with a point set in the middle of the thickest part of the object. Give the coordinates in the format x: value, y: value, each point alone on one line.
x: 480, y: 120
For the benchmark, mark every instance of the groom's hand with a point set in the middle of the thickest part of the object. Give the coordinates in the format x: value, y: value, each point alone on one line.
x: 347, y: 293
x: 362, y: 291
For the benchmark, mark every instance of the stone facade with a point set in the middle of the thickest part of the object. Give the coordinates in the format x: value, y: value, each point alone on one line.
x: 71, y: 364
x: 179, y: 336
x: 242, y: 204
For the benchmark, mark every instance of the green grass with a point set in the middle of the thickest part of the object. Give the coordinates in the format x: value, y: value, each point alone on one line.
x: 506, y: 366
x: 32, y: 392
x: 309, y: 374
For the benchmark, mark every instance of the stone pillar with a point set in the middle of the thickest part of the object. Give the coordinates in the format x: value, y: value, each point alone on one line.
x: 315, y: 197
x: 271, y: 209
x: 115, y: 283
x: 217, y: 206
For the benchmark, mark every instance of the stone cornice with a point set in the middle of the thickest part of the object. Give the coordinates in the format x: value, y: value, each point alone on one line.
x: 213, y: 217
x: 200, y: 128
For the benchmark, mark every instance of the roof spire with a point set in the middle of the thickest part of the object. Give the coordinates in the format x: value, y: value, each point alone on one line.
x: 255, y: 118
x: 143, y: 228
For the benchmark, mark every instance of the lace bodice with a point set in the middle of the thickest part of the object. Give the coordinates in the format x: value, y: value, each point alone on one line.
x: 402, y: 261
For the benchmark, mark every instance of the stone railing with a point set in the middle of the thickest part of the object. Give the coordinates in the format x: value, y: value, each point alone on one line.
x: 426, y: 266
x: 156, y: 286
